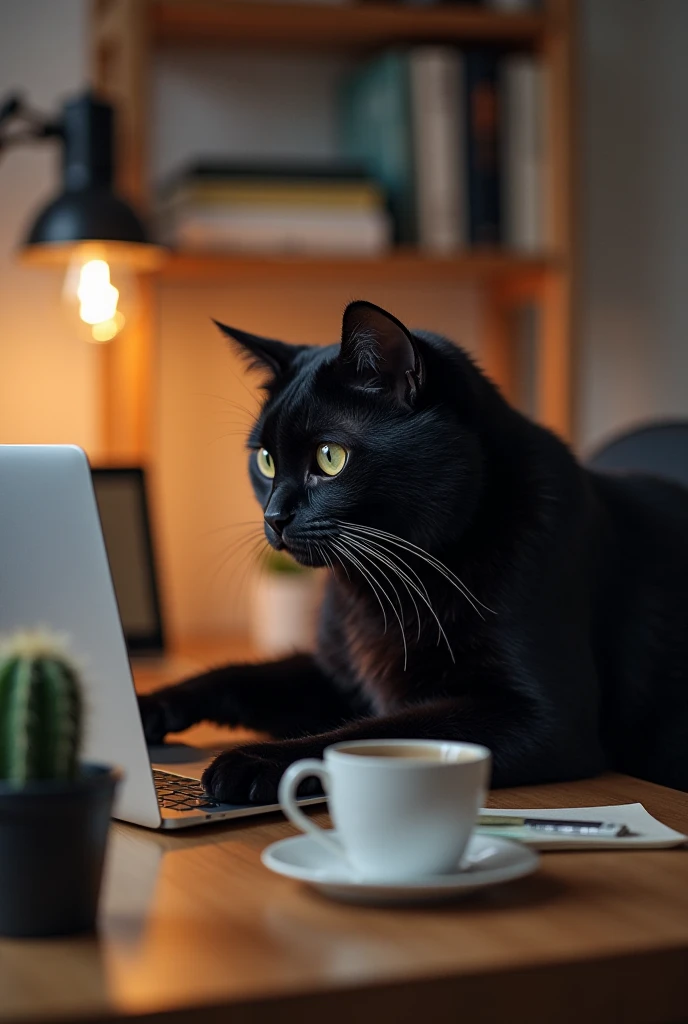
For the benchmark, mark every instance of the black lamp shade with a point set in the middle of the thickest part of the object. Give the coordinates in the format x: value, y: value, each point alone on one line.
x: 89, y: 214
x: 87, y: 210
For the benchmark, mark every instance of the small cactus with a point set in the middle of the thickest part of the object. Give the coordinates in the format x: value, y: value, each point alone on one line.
x: 40, y: 710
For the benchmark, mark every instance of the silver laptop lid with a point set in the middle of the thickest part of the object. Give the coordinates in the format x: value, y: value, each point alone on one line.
x: 54, y: 574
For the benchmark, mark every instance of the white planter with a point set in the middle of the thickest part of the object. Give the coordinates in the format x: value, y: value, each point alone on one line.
x: 284, y: 610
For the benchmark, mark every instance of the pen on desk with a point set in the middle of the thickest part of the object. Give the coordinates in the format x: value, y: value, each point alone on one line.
x: 560, y: 826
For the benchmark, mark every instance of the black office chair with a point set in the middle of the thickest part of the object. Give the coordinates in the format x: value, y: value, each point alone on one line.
x: 657, y: 448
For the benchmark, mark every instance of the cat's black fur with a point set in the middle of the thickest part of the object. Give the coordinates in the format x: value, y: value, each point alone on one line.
x: 581, y: 661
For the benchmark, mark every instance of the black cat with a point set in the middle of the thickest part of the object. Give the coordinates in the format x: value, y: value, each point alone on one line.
x: 484, y: 585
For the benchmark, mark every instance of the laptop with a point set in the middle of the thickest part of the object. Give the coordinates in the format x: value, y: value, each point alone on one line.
x: 122, y: 501
x: 54, y: 574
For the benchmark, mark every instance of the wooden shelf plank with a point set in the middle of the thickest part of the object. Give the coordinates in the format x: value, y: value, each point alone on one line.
x: 231, y: 22
x: 397, y: 268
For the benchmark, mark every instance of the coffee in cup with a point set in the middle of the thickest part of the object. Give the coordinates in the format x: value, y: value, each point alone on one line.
x: 401, y: 809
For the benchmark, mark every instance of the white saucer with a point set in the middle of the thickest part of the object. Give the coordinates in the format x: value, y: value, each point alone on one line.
x: 488, y: 861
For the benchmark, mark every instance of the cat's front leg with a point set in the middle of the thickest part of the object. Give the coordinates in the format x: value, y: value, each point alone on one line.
x: 526, y: 750
x: 251, y: 773
x: 284, y: 698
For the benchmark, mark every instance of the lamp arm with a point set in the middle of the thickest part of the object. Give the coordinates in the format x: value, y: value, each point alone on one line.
x: 30, y: 126
x: 10, y: 106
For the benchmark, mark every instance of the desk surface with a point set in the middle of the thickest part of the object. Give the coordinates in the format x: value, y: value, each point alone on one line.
x: 193, y: 927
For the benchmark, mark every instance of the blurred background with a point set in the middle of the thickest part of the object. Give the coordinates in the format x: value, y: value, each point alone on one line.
x: 509, y: 173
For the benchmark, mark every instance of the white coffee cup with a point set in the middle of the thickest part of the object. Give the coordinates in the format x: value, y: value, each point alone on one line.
x: 401, y: 809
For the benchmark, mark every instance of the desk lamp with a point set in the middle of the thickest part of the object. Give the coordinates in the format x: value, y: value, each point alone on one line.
x: 87, y: 229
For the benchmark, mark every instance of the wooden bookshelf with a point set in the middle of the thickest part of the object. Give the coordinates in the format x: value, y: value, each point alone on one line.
x: 221, y: 23
x: 400, y: 266
x: 124, y: 38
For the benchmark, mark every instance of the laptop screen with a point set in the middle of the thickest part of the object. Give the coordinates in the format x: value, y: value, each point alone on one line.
x: 123, y: 507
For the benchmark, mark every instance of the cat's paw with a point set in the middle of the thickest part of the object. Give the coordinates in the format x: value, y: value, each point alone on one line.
x: 251, y: 774
x: 162, y: 713
x: 153, y: 713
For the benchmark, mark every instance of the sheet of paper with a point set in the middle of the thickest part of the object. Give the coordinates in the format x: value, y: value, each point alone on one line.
x: 649, y: 834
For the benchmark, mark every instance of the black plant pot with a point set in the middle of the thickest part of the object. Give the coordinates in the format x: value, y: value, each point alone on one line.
x: 52, y: 845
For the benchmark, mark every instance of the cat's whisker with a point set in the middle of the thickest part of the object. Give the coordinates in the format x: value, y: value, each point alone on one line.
x: 252, y: 546
x: 367, y: 552
x: 395, y: 554
x: 374, y: 585
x: 239, y: 539
x: 251, y: 394
x: 440, y: 567
x: 229, y: 419
x: 408, y: 582
x: 366, y: 575
x: 399, y: 618
x: 341, y: 563
x: 320, y: 548
x: 233, y: 421
x: 388, y: 552
x: 257, y: 558
x: 262, y: 559
x: 242, y: 432
x: 384, y: 549
x: 227, y: 401
x: 412, y: 548
x: 253, y: 558
x: 233, y: 546
x: 232, y: 526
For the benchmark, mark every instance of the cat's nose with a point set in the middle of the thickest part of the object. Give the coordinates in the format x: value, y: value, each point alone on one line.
x: 278, y: 520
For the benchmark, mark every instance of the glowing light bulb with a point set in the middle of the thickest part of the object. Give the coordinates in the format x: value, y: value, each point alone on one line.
x: 97, y: 296
x: 96, y: 290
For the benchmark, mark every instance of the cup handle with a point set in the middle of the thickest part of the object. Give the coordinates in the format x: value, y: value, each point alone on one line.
x: 289, y: 783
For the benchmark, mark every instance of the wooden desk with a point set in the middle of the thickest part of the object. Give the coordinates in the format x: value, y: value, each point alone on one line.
x: 194, y: 929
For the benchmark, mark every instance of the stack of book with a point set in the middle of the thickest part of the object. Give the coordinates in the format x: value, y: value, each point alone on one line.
x: 262, y: 209
x: 511, y: 6
x: 456, y: 138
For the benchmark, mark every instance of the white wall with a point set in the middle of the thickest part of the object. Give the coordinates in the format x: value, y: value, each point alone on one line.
x: 633, y: 214
x: 47, y: 375
x: 243, y: 104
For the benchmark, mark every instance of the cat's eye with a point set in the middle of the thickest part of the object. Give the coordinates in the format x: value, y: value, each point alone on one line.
x: 266, y: 463
x: 331, y: 458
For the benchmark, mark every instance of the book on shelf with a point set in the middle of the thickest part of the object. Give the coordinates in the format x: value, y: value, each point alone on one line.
x: 263, y: 208
x: 482, y: 132
x: 456, y: 139
x: 443, y: 149
x: 509, y: 6
x: 524, y: 153
x: 439, y: 147
x: 218, y: 171
x: 513, y: 6
x: 376, y: 132
x: 281, y: 230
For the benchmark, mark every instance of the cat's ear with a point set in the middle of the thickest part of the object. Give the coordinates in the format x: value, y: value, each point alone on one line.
x: 261, y: 353
x: 379, y: 353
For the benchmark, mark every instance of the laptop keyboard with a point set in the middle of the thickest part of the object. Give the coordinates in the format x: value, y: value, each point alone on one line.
x: 178, y: 794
